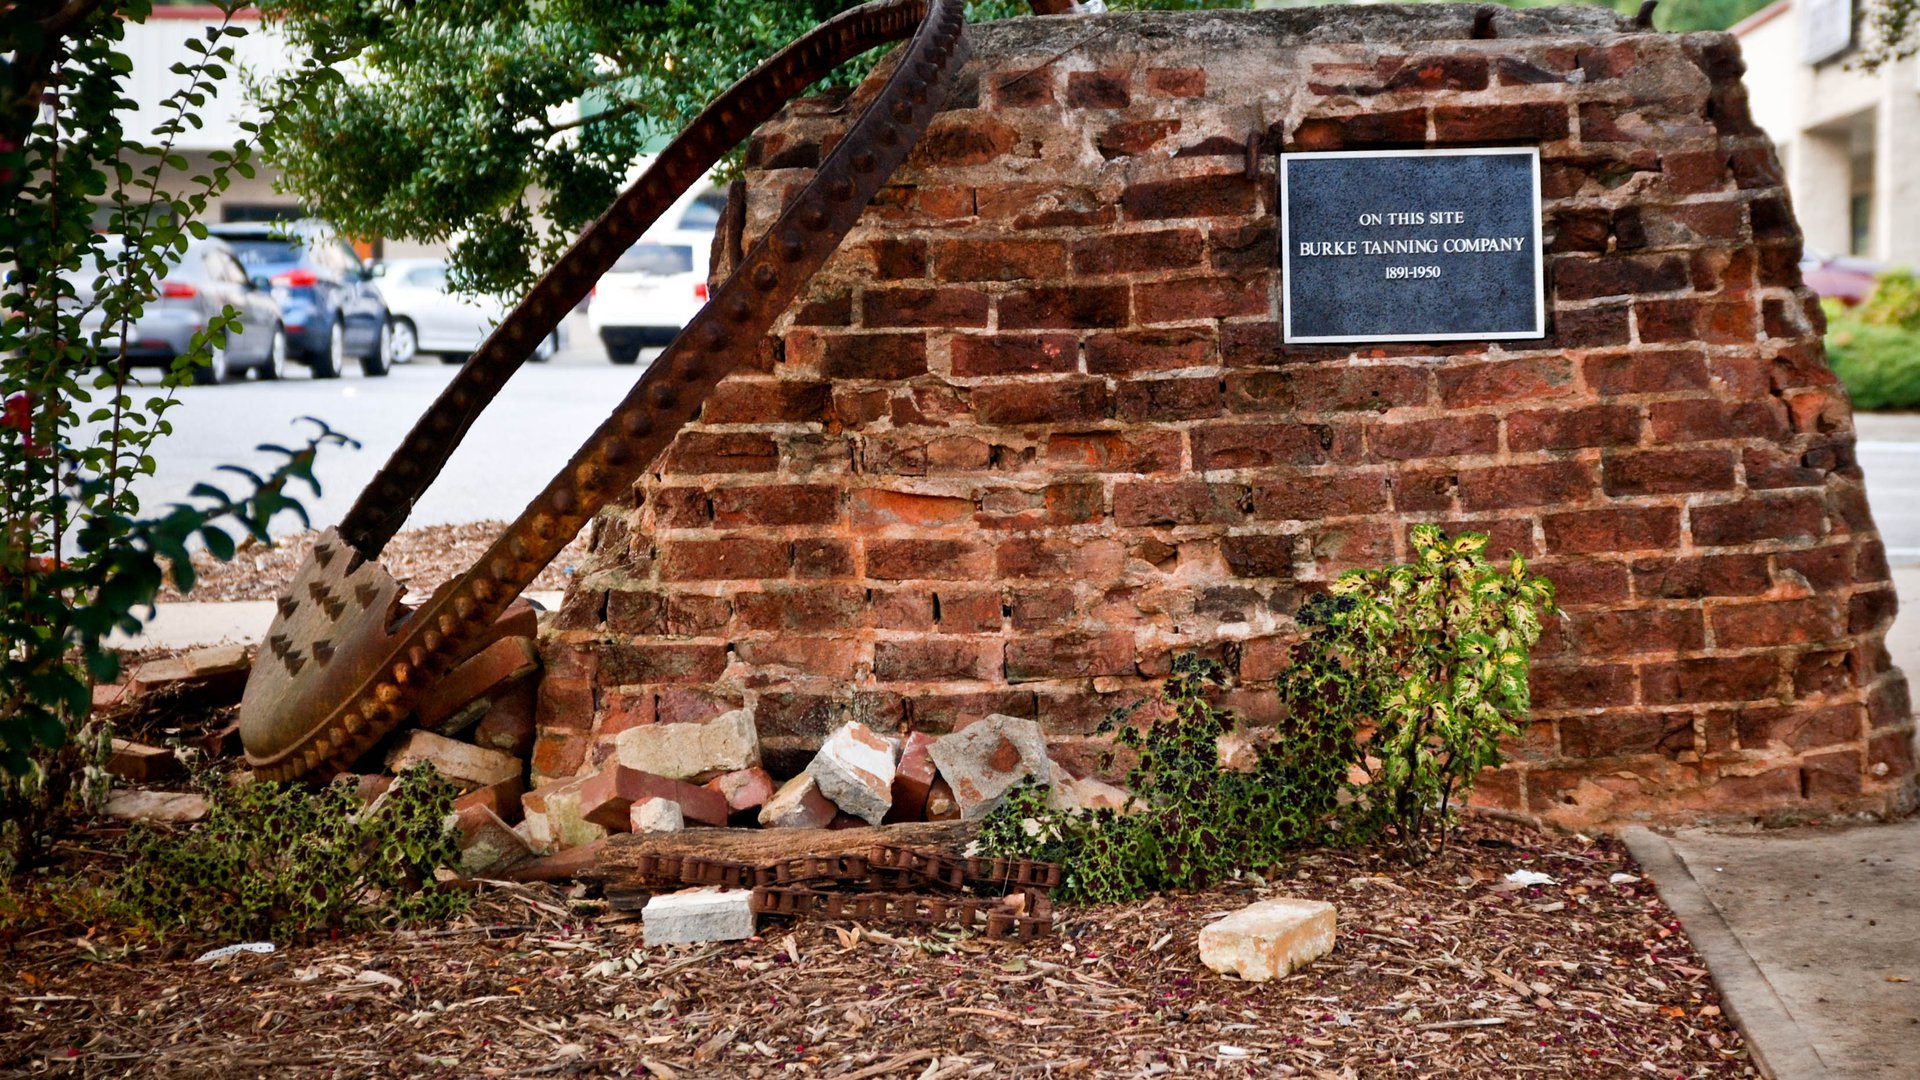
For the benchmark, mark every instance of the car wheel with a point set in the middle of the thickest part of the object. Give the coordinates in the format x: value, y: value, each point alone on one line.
x: 275, y: 366
x: 328, y: 364
x: 547, y: 347
x: 214, y: 371
x: 623, y: 354
x: 374, y: 364
x: 406, y: 342
x: 454, y: 357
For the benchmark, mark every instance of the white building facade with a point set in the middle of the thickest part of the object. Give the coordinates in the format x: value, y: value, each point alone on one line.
x: 1848, y: 139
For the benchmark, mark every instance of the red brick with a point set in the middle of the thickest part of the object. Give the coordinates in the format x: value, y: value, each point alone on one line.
x: 1241, y: 446
x: 786, y: 504
x: 944, y: 307
x: 1623, y: 529
x: 961, y: 612
x: 1134, y: 137
x: 1716, y: 678
x: 498, y: 666
x: 1667, y: 472
x: 509, y: 723
x: 1223, y: 195
x: 1150, y: 350
x: 1064, y: 557
x: 1114, y: 451
x: 1311, y: 498
x: 1574, y: 428
x: 1001, y: 259
x: 1258, y: 555
x: 1586, y: 686
x: 1177, y: 82
x: 874, y: 356
x: 1322, y: 388
x: 1554, y: 483
x: 1483, y: 123
x: 1793, y: 518
x: 1014, y: 354
x: 1695, y: 577
x: 558, y: 753
x: 1584, y: 581
x: 502, y: 798
x: 1335, y: 549
x: 1106, y: 89
x: 1185, y: 502
x: 918, y: 559
x: 878, y: 508
x: 1033, y: 657
x: 1637, y: 630
x: 1059, y: 401
x: 1618, y: 275
x: 1388, y: 127
x: 1775, y: 623
x: 695, y: 452
x: 1188, y: 299
x: 912, y: 779
x: 1503, y: 381
x: 1619, y: 733
x: 1652, y: 371
x: 1122, y: 253
x: 730, y: 559
x: 1871, y: 609
x: 607, y: 796
x: 1713, y: 322
x: 691, y: 705
x: 1026, y: 89
x: 1169, y: 399
x: 932, y: 658
x: 962, y: 138
x: 1799, y: 727
x: 1447, y: 437
x: 632, y: 664
x: 1065, y: 307
x: 743, y: 400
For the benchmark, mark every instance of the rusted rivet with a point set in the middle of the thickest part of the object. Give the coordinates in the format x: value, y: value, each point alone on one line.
x: 903, y: 111
x: 387, y: 694
x: 638, y: 424
x: 764, y: 276
x: 463, y: 606
x: 791, y: 248
x: 840, y: 189
x: 663, y: 397
x: 563, y: 501
x: 484, y: 590
x: 813, y: 219
x: 617, y: 453
x: 502, y: 570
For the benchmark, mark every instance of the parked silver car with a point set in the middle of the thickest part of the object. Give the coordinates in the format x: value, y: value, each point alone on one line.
x: 198, y: 285
x: 428, y: 317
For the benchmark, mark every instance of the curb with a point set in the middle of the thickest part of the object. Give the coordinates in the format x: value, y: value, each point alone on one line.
x: 1779, y: 1048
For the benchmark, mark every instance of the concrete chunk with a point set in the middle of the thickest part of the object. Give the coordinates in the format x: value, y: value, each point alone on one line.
x: 686, y: 918
x: 554, y: 818
x: 984, y: 760
x: 1268, y: 940
x: 465, y: 764
x: 488, y: 845
x: 656, y: 815
x: 174, y: 807
x: 854, y: 770
x: 1071, y: 793
x: 696, y: 752
x: 798, y: 805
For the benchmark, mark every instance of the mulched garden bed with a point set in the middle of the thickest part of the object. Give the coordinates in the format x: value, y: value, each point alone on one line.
x: 1441, y: 971
x: 422, y: 558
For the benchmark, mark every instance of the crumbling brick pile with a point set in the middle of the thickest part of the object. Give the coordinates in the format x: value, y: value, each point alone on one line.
x: 1033, y: 430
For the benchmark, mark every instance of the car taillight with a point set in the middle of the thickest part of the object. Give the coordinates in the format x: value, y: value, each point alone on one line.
x: 700, y: 290
x: 178, y: 290
x: 296, y: 278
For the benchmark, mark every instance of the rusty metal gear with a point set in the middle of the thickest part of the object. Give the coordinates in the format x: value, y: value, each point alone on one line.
x: 346, y: 661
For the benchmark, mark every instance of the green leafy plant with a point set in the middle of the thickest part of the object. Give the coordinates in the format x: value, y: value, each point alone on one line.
x: 1422, y: 668
x: 280, y: 862
x: 94, y: 216
x: 1895, y: 301
x: 1190, y: 822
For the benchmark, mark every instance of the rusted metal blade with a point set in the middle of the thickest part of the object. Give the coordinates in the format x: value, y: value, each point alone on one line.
x: 319, y: 716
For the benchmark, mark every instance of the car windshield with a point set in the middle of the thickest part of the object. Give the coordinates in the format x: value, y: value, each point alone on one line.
x: 658, y: 260
x: 263, y: 251
x: 705, y: 210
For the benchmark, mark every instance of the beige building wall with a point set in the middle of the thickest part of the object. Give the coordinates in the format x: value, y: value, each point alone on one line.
x: 1849, y: 139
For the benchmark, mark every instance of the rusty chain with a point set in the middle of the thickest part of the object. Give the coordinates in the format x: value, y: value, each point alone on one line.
x: 346, y: 661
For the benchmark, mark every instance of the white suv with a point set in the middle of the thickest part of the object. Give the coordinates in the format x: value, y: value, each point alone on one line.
x: 659, y: 283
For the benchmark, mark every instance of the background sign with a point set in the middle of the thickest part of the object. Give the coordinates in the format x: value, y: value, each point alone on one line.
x: 1412, y: 245
x: 1826, y: 29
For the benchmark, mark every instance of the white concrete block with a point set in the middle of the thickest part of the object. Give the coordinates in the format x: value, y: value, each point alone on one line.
x: 694, y: 752
x: 465, y: 764
x: 1268, y: 940
x: 657, y: 815
x: 854, y: 770
x: 697, y: 915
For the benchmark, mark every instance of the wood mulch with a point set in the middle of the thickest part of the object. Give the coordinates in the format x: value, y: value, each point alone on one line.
x: 421, y: 558
x: 1445, y: 970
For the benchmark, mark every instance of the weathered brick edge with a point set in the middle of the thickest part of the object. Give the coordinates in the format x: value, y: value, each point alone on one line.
x: 1032, y: 431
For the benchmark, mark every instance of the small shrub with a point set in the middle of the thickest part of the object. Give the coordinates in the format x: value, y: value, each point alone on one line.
x: 277, y: 861
x: 1189, y: 823
x: 1895, y: 301
x: 1879, y: 364
x: 1423, y: 669
x: 1398, y: 696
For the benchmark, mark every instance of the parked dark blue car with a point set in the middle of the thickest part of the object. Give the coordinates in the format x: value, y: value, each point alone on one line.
x: 327, y: 299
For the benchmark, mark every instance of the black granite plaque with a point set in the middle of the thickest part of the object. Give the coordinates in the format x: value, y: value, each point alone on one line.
x: 1412, y: 245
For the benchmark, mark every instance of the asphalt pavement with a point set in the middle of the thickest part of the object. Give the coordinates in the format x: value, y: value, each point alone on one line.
x: 541, y: 417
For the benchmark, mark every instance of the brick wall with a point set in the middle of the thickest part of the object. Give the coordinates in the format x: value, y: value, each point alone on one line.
x: 1032, y: 431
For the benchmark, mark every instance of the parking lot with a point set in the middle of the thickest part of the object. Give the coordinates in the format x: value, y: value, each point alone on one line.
x: 515, y: 447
